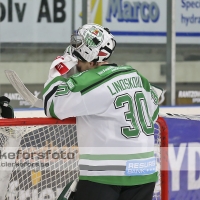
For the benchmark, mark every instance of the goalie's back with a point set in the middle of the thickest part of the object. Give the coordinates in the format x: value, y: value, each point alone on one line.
x: 115, y: 109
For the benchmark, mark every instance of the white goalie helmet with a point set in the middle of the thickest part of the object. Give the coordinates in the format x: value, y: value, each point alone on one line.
x: 93, y: 42
x: 68, y: 51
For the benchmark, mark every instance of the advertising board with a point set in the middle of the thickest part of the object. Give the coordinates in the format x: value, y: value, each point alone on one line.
x: 131, y: 21
x: 184, y: 158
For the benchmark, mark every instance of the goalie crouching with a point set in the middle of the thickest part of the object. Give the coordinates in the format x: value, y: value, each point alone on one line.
x: 115, y: 109
x: 6, y: 111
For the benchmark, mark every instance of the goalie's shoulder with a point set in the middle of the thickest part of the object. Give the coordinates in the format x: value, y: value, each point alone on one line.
x: 95, y: 77
x: 82, y: 80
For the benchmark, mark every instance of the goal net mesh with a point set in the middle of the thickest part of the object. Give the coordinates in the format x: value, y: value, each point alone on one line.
x: 46, y: 160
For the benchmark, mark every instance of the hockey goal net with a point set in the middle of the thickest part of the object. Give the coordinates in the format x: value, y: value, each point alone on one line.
x: 39, y: 157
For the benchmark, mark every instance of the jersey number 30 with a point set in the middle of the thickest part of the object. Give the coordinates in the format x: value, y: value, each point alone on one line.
x: 144, y: 122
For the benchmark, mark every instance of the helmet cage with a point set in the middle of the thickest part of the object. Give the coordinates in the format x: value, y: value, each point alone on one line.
x: 77, y: 41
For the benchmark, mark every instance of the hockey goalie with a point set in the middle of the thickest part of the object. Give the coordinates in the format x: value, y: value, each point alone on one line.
x: 116, y: 108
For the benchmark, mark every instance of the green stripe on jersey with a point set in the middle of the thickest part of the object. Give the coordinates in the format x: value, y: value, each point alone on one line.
x: 58, y: 78
x: 89, y: 80
x: 122, y: 180
x: 155, y: 115
x: 102, y: 81
x: 51, y: 110
x: 145, y: 83
x: 117, y: 156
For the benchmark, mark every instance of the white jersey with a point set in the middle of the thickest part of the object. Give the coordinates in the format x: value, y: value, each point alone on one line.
x: 116, y: 109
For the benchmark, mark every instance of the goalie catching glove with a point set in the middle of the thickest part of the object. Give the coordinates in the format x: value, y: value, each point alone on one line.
x: 62, y: 65
x: 6, y: 111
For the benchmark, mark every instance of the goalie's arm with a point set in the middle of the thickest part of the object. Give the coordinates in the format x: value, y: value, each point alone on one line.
x: 153, y: 104
x: 152, y: 98
x: 60, y: 101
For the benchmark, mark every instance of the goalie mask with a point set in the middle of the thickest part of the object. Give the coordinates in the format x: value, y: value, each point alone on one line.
x: 68, y: 51
x: 92, y: 42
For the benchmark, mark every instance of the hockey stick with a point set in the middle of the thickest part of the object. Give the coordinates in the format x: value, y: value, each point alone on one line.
x: 180, y: 116
x: 22, y: 90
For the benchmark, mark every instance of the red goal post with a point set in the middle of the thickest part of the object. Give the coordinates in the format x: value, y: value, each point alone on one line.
x: 59, y: 135
x: 164, y: 158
